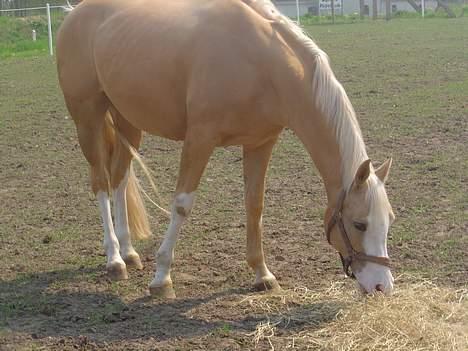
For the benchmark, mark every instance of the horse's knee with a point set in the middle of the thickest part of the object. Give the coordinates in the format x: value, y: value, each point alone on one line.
x: 97, y: 153
x: 99, y: 179
x: 183, y: 204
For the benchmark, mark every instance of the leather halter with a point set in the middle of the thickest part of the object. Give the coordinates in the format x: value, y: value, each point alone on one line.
x: 353, y: 255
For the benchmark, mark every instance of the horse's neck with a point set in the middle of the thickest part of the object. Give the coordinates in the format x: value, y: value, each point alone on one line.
x: 326, y: 123
x: 319, y: 110
x: 337, y: 160
x: 320, y: 142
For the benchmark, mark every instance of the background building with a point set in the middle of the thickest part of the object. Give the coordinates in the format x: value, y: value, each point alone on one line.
x: 347, y: 7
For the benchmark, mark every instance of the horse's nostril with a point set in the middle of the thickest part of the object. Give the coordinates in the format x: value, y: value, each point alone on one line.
x: 379, y: 287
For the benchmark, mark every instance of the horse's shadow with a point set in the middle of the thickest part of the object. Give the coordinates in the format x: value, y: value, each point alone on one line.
x: 30, y: 304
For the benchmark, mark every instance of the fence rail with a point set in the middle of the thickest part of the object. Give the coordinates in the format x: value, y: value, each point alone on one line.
x: 41, y: 20
x: 65, y: 8
x: 5, y: 4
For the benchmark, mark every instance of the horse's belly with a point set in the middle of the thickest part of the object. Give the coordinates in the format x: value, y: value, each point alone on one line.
x: 156, y: 114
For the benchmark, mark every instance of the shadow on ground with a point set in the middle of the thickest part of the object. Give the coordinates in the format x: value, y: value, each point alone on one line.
x: 32, y: 306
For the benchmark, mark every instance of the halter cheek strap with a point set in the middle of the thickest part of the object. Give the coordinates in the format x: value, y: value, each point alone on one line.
x: 353, y: 255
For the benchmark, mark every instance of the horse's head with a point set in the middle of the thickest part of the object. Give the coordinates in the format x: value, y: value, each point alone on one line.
x: 357, y: 228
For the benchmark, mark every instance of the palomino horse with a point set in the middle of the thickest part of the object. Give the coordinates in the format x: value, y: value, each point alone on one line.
x: 215, y: 73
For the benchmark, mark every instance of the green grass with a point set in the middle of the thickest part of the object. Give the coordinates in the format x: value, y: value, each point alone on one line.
x: 458, y: 9
x: 16, y: 35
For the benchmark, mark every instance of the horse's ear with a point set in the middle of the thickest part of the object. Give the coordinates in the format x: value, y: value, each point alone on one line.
x: 384, y: 169
x: 362, y: 173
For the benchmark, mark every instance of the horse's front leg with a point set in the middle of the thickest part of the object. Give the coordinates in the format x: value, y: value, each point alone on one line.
x: 195, y: 155
x: 255, y: 166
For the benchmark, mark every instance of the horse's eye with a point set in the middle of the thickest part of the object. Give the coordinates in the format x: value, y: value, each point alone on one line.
x: 362, y: 227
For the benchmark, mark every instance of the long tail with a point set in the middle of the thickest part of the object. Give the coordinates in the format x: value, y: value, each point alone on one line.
x: 137, y: 215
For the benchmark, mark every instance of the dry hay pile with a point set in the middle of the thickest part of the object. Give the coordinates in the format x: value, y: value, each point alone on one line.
x: 418, y: 316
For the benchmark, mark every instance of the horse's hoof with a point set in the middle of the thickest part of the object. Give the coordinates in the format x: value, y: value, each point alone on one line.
x: 163, y: 291
x: 267, y: 285
x: 117, y: 271
x: 133, y: 261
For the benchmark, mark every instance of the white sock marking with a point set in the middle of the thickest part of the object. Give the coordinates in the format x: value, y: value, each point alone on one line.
x: 122, y: 230
x: 181, y: 208
x: 111, y: 243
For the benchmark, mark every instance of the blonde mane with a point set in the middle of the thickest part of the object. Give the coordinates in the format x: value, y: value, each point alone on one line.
x: 330, y: 96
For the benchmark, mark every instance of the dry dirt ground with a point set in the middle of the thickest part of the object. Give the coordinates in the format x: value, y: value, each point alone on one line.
x: 408, y: 81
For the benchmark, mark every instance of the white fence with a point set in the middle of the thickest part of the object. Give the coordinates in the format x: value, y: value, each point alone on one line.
x: 293, y: 8
x: 52, y: 15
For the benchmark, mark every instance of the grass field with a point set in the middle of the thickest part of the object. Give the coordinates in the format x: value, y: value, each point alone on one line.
x: 408, y: 81
x: 16, y: 33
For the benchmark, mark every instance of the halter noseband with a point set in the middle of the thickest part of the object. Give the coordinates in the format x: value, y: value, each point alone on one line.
x: 353, y: 255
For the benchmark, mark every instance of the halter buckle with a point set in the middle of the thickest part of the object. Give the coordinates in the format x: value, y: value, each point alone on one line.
x: 346, y: 262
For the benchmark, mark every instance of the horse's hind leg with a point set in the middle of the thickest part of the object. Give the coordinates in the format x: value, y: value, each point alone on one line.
x: 255, y: 165
x: 125, y: 192
x: 95, y: 136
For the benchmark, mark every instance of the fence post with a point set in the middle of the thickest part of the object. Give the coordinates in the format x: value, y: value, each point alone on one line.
x: 423, y: 6
x: 333, y: 11
x: 388, y: 9
x: 49, y: 30
x: 298, y: 12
